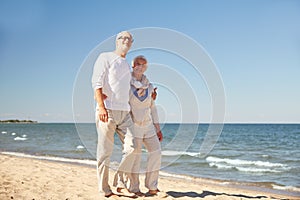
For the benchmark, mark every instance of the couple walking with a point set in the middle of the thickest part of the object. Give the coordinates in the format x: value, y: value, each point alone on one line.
x: 125, y: 105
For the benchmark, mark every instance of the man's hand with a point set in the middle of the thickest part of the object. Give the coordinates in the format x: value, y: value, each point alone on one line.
x: 103, y: 115
x: 100, y: 97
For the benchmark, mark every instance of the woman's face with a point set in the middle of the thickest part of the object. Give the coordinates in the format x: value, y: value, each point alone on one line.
x: 140, y: 66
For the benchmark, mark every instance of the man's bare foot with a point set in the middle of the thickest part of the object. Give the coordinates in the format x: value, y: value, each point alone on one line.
x: 139, y: 194
x: 111, y: 196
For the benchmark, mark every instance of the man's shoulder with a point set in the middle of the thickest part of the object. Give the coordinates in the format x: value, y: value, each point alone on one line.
x: 108, y: 55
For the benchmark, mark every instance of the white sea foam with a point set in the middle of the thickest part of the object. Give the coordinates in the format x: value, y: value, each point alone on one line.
x: 60, y: 159
x: 24, y: 135
x: 287, y: 188
x: 4, y: 132
x: 246, y: 165
x: 257, y: 170
x: 80, y: 147
x: 243, y: 169
x: 13, y: 133
x: 220, y: 166
x: 238, y: 162
x: 179, y: 153
x: 20, y: 138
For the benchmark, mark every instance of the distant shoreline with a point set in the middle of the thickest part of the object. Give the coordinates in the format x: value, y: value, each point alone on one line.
x: 11, y: 121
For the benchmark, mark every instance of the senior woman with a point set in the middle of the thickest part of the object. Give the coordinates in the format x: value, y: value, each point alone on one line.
x: 147, y: 130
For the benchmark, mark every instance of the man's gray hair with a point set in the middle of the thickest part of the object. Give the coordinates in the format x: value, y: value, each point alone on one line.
x: 121, y: 34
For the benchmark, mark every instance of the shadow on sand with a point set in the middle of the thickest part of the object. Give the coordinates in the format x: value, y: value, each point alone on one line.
x: 208, y: 193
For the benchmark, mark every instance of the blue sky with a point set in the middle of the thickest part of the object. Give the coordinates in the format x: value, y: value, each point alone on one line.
x: 254, y: 44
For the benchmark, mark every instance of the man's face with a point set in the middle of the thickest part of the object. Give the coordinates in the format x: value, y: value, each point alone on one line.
x: 124, y: 42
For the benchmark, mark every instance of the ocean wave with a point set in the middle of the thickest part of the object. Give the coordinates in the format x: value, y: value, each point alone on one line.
x: 20, y: 138
x: 238, y: 162
x: 246, y: 165
x: 244, y: 169
x: 4, y: 132
x: 220, y: 166
x: 257, y: 170
x: 80, y: 147
x: 287, y: 188
x: 180, y: 153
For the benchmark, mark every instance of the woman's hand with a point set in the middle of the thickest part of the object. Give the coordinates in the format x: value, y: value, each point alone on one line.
x: 160, y: 136
x: 154, y: 93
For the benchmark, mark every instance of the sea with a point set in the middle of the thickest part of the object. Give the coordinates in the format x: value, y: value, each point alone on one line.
x: 260, y: 155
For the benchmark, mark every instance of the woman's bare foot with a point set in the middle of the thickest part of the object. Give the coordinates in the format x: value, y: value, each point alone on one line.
x: 125, y: 192
x: 157, y: 193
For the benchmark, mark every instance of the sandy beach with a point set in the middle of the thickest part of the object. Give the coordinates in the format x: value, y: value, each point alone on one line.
x: 26, y: 178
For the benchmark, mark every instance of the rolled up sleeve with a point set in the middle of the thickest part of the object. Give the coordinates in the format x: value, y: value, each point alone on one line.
x: 100, y: 68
